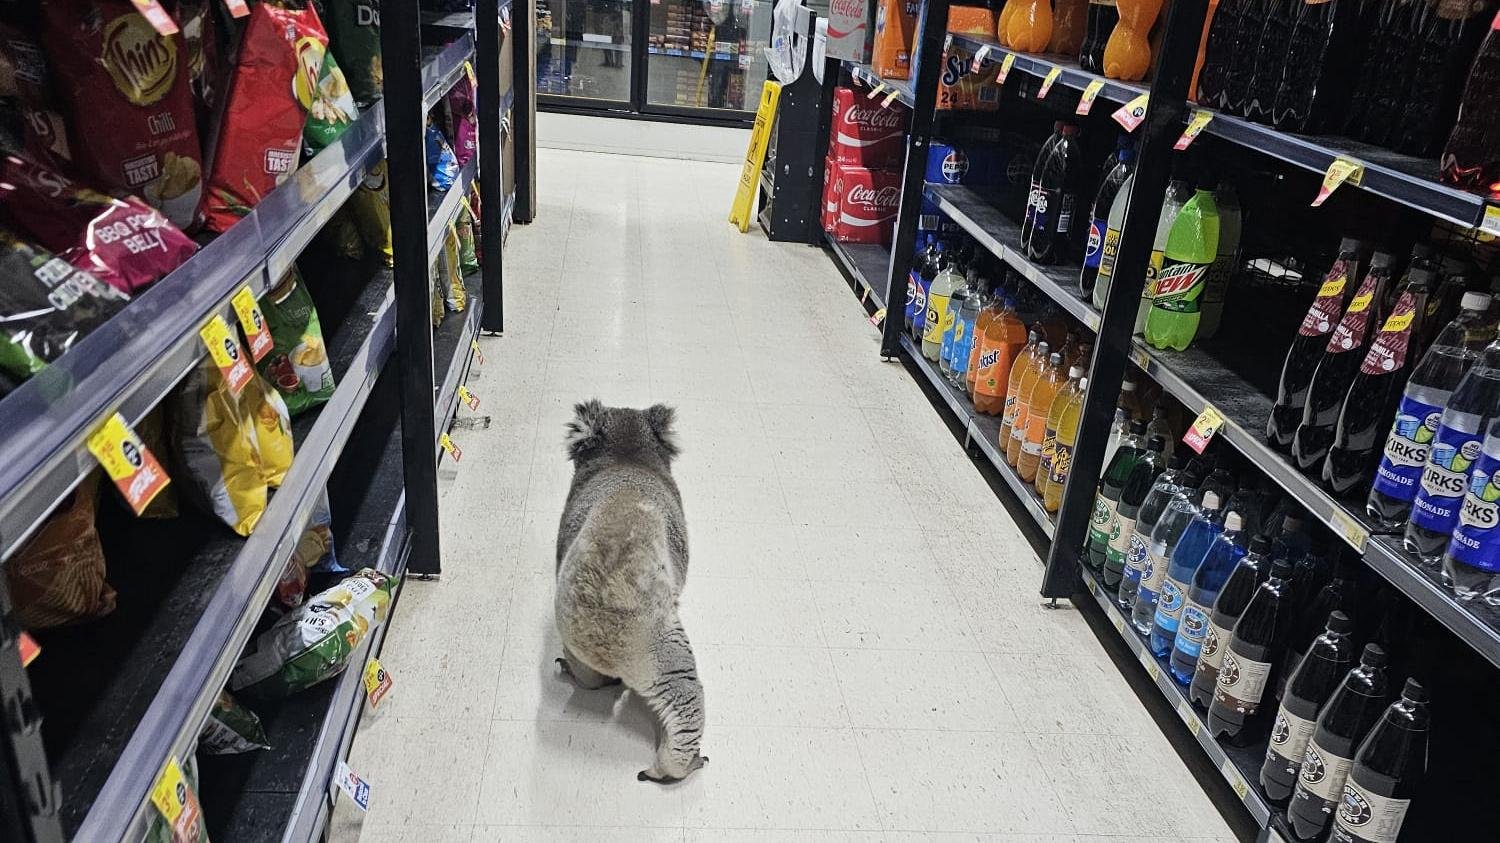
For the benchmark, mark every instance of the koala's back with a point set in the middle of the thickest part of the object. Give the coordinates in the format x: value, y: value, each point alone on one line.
x: 604, y: 488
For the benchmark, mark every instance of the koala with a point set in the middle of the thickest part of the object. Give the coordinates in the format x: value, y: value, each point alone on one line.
x: 622, y: 560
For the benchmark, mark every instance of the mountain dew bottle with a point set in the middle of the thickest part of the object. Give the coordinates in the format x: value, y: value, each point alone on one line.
x: 1192, y: 245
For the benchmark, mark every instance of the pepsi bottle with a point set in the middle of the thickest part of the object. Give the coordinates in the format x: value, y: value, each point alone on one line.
x: 1109, y: 188
x: 1053, y: 230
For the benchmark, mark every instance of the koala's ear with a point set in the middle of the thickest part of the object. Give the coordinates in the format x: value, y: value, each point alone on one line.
x: 586, y: 430
x: 661, y: 417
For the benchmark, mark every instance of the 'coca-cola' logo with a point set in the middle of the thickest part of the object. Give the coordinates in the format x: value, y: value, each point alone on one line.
x: 847, y: 8
x: 872, y: 117
x: 885, y: 197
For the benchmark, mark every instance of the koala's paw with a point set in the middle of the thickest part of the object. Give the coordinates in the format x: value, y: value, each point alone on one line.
x: 654, y: 775
x: 584, y: 677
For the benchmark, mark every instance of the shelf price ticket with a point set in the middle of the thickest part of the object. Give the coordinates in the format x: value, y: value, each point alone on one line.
x: 173, y: 796
x: 1204, y: 427
x: 357, y: 788
x: 128, y: 462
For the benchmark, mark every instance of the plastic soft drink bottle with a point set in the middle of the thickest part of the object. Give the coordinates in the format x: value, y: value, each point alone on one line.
x: 1388, y: 771
x: 1069, y: 17
x: 1471, y: 565
x: 1226, y: 262
x: 1259, y: 638
x: 1342, y: 725
x: 954, y: 335
x: 1337, y: 367
x: 1111, y: 248
x: 1127, y: 53
x: 1421, y: 410
x: 1323, y: 50
x: 1029, y: 28
x: 1338, y: 595
x: 1175, y: 519
x: 1103, y: 15
x: 1167, y: 486
x: 1038, y: 404
x: 924, y: 268
x: 1192, y: 245
x: 1314, y: 679
x: 939, y: 316
x: 1062, y: 451
x: 1000, y: 347
x: 1455, y: 449
x: 1028, y: 222
x: 1019, y: 423
x: 1308, y: 346
x: 1107, y: 497
x: 1471, y: 158
x: 988, y: 310
x: 1127, y: 410
x: 1070, y: 391
x: 1223, y: 556
x: 1178, y: 194
x: 1137, y: 485
x: 1018, y: 367
x: 1052, y: 232
x: 1186, y: 557
x: 1104, y: 200
x: 1233, y: 597
x: 1163, y: 428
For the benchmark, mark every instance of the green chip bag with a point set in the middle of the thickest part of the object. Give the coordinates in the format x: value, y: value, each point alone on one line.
x: 468, y: 256
x: 354, y: 30
x: 231, y: 729
x: 298, y: 364
x: 314, y: 641
x: 329, y: 105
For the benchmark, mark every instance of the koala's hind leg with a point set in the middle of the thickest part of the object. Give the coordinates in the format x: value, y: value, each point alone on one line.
x: 673, y: 691
x: 582, y: 675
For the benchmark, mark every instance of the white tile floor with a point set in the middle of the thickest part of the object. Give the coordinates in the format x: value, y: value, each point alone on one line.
x: 877, y: 664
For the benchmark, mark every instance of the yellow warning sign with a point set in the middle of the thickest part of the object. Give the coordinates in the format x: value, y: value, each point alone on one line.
x: 755, y: 157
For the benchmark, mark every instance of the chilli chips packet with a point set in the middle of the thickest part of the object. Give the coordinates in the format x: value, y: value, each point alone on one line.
x: 281, y: 52
x: 123, y: 242
x: 25, y: 75
x: 130, y: 109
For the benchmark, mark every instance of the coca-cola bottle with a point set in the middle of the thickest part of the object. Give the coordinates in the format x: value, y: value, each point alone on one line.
x: 1312, y: 338
x: 1391, y: 763
x: 1385, y: 73
x: 1338, y: 366
x: 1230, y: 604
x: 1471, y: 158
x: 1239, y: 711
x: 1449, y: 34
x: 1102, y: 17
x: 1342, y: 724
x: 1219, y: 52
x: 1313, y: 681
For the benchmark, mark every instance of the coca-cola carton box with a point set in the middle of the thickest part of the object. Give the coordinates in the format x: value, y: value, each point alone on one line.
x: 866, y: 133
x: 867, y: 203
x: 849, y: 30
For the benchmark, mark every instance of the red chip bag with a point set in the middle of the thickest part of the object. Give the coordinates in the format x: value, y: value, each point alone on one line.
x: 129, y: 107
x: 123, y: 242
x: 261, y: 132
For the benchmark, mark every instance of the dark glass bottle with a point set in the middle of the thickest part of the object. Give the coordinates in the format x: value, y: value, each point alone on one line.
x: 1239, y: 711
x: 1342, y: 724
x: 1313, y: 681
x: 1312, y: 338
x: 1231, y: 603
x: 1390, y: 765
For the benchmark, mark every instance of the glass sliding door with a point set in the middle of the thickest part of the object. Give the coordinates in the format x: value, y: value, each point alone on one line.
x: 706, y: 54
x: 584, y: 50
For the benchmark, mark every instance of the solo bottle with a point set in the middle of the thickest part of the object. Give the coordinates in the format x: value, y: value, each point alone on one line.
x: 1342, y: 724
x: 1313, y: 681
x: 939, y: 314
x: 1109, y: 188
x: 1307, y: 348
x: 1223, y: 557
x: 1390, y: 766
x: 1137, y: 485
x: 1110, y: 251
x: 1239, y: 711
x: 1190, y: 552
x: 1233, y: 597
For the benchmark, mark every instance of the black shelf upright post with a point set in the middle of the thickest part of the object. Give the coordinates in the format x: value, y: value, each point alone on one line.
x: 29, y: 797
x: 1164, y: 119
x: 405, y: 122
x: 491, y: 174
x: 927, y: 60
x: 523, y: 107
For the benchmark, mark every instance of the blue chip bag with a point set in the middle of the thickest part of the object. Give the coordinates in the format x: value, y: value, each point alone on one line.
x: 440, y: 161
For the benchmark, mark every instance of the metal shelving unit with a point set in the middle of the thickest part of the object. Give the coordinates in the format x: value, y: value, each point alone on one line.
x: 865, y: 76
x: 867, y: 264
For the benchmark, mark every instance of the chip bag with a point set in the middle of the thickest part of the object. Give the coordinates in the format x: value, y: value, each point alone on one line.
x: 130, y: 113
x: 46, y: 305
x: 461, y: 121
x: 354, y: 30
x: 372, y: 211
x: 281, y: 53
x: 58, y: 575
x: 442, y: 167
x: 231, y: 729
x: 324, y: 94
x: 122, y: 242
x: 26, y: 76
x: 468, y: 254
x: 298, y: 364
x: 457, y: 296
x: 313, y: 642
x: 208, y: 72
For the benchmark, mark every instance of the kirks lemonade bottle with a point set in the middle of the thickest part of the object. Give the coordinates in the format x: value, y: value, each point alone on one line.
x: 1192, y: 246
x: 1471, y: 567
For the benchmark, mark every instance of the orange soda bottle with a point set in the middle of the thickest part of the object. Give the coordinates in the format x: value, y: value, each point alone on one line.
x: 981, y: 324
x: 1005, y: 15
x: 1000, y: 347
x: 1048, y: 382
x: 1030, y: 27
x: 1022, y: 404
x: 1013, y: 385
x: 1066, y: 436
x: 1069, y: 21
x: 1127, y: 54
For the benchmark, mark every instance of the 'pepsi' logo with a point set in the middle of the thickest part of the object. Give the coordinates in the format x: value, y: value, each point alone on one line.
x: 955, y: 166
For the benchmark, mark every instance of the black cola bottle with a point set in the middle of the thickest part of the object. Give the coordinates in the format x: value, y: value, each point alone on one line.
x: 1239, y: 711
x: 1390, y: 765
x: 1055, y: 216
x: 1102, y: 17
x: 1313, y: 681
x: 1312, y: 338
x: 1343, y: 723
x: 1233, y: 597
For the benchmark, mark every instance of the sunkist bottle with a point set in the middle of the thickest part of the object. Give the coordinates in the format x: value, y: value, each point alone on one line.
x: 1336, y: 368
x: 1178, y: 194
x: 1062, y: 452
x: 989, y: 307
x: 1189, y: 553
x: 1233, y: 597
x: 1033, y: 193
x: 1223, y: 557
x: 1471, y: 565
x: 1308, y: 346
x: 1314, y: 679
x: 1071, y: 391
x: 1009, y: 406
x: 1104, y: 200
x: 1459, y: 441
x: 1192, y: 245
x: 1127, y: 53
x: 1471, y: 158
x: 1137, y: 485
x: 1372, y: 394
x: 1103, y: 15
x: 1049, y: 382
x: 1391, y: 763
x: 1053, y: 230
x: 1022, y: 419
x: 1421, y: 410
x: 1344, y: 721
x: 1226, y: 262
x: 1180, y: 513
x: 1168, y: 485
x: 1000, y: 347
x: 939, y: 314
x: 1239, y: 708
x: 1111, y: 248
x: 1107, y: 497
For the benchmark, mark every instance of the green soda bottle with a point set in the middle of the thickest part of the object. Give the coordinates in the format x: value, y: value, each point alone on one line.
x: 1192, y: 245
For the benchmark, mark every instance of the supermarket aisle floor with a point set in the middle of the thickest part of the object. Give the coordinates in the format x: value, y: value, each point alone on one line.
x: 866, y: 680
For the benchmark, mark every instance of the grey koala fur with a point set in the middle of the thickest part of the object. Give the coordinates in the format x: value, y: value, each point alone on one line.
x: 621, y: 564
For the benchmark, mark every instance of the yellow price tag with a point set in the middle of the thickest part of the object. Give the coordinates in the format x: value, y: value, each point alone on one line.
x: 1005, y: 65
x: 1133, y: 113
x: 468, y: 397
x: 1194, y: 128
x: 1090, y: 93
x: 980, y: 57
x: 478, y: 355
x: 1119, y: 623
x: 1491, y: 222
x: 1204, y: 427
x: 1047, y: 82
x: 1341, y: 170
x: 890, y: 98
x: 128, y: 462
x: 1236, y: 781
x: 224, y: 349
x: 1140, y: 357
x: 253, y: 323
x: 1349, y: 529
x: 875, y: 91
x: 377, y: 682
x: 469, y: 72
x: 175, y: 800
x: 453, y: 450
x: 1153, y: 670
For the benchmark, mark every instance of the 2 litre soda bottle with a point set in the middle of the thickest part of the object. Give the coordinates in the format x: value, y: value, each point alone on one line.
x: 1342, y: 724
x: 1222, y: 558
x: 1230, y: 603
x: 1256, y: 646
x: 1391, y: 764
x: 1471, y: 565
x: 1307, y: 348
x: 1192, y: 246
x: 1314, y: 679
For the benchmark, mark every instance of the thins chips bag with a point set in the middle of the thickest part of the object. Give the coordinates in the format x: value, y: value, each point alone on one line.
x: 281, y: 52
x: 298, y: 364
x: 58, y: 576
x: 46, y: 305
x: 130, y: 109
x: 354, y: 29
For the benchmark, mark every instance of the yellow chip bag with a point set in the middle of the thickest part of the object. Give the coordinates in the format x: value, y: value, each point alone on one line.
x: 458, y: 296
x: 372, y: 211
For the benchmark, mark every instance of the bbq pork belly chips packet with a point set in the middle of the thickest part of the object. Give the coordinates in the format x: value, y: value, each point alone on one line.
x: 125, y: 92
